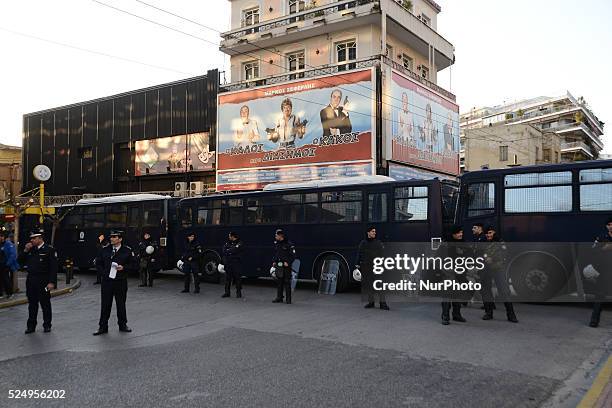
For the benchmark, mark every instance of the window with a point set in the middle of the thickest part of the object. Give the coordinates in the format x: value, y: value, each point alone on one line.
x: 341, y: 206
x: 503, y: 153
x: 346, y: 51
x: 537, y: 153
x: 481, y: 199
x: 186, y: 216
x: 410, y: 204
x: 597, y: 194
x: 93, y: 217
x: 283, y: 209
x: 296, y: 62
x: 296, y: 6
x: 538, y: 192
x: 152, y: 215
x: 250, y: 16
x: 251, y: 70
x: 425, y: 72
x: 425, y: 19
x: 377, y: 207
x: 389, y: 51
x: 116, y: 216
x: 407, y: 62
x: 133, y: 216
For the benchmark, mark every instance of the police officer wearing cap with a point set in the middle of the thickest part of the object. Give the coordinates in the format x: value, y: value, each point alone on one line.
x: 115, y: 261
x: 147, y: 252
x: 232, y: 264
x: 284, y: 255
x: 40, y: 260
x: 603, y: 265
x: 191, y: 266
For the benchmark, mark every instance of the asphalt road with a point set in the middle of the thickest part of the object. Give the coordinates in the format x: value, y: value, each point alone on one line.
x: 203, y: 351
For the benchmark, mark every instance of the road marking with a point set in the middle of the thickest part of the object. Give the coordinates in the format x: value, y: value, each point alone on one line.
x: 603, y: 379
x: 191, y: 396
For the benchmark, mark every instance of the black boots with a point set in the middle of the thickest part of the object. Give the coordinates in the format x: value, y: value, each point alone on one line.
x: 369, y: 305
x: 510, y: 315
x: 384, y: 306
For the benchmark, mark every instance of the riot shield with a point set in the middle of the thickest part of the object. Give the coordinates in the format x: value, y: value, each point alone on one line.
x: 329, y: 277
x: 295, y: 272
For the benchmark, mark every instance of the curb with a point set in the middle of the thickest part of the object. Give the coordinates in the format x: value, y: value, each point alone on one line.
x: 54, y: 293
x: 598, y: 387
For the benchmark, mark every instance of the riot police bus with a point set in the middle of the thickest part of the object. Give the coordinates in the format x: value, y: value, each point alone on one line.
x: 548, y: 208
x: 325, y: 220
x: 81, y: 224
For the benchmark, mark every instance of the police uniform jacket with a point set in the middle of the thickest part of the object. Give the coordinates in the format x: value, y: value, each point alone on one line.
x: 232, y: 254
x: 193, y: 250
x: 142, y: 249
x: 41, y: 264
x: 124, y: 257
x: 284, y: 251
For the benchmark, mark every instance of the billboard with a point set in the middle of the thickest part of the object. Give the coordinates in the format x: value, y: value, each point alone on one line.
x: 175, y: 154
x: 304, y: 130
x: 402, y: 172
x: 424, y: 127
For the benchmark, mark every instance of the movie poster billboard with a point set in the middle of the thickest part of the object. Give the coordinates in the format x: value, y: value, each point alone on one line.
x: 305, y: 130
x: 175, y: 154
x: 424, y: 127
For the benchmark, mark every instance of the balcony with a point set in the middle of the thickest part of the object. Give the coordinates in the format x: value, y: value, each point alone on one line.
x: 301, y: 74
x: 576, y: 147
x: 579, y: 127
x: 330, y: 69
x: 290, y: 28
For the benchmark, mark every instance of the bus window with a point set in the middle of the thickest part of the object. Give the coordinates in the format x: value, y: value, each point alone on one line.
x: 151, y: 215
x: 203, y: 216
x: 93, y: 217
x: 538, y: 192
x: 283, y: 209
x: 596, y: 190
x: 116, y: 216
x: 133, y: 216
x: 186, y: 216
x: 411, y: 203
x: 377, y: 207
x: 449, y: 202
x: 73, y: 219
x: 481, y: 199
x: 341, y: 206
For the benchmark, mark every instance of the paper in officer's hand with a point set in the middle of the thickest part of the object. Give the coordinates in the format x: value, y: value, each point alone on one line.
x: 113, y: 270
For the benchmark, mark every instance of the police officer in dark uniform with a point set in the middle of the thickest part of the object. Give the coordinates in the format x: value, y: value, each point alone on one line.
x: 603, y: 264
x: 146, y: 260
x: 40, y: 260
x: 116, y: 261
x: 191, y: 258
x: 102, y: 243
x: 456, y: 249
x: 284, y: 255
x: 369, y: 249
x: 232, y: 263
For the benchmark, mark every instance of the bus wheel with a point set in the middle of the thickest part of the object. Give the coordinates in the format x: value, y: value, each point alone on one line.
x: 537, y: 277
x: 343, y: 276
x: 210, y: 261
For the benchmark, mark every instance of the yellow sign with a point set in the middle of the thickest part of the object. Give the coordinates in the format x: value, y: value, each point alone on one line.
x: 36, y: 210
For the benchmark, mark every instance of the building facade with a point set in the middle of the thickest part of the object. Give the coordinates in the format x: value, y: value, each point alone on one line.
x: 378, y: 59
x: 580, y: 131
x: 144, y: 140
x: 10, y: 171
x: 508, y: 146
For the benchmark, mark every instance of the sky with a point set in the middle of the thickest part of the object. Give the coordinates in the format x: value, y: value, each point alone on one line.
x: 505, y: 51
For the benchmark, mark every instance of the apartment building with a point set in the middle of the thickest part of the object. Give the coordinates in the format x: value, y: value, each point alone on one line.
x: 508, y: 146
x: 579, y: 130
x: 380, y: 61
x: 10, y: 171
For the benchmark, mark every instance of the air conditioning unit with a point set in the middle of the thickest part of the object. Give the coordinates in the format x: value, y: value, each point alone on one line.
x: 180, y: 189
x: 196, y: 188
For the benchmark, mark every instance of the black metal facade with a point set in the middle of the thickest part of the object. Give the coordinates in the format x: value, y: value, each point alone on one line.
x: 90, y: 146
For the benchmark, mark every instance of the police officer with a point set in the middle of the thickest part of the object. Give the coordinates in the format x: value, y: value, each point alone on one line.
x: 102, y: 243
x: 146, y: 260
x: 232, y: 263
x: 603, y: 246
x: 456, y: 249
x: 191, y: 258
x: 40, y: 260
x: 284, y: 255
x: 116, y: 261
x: 495, y: 264
x: 370, y: 248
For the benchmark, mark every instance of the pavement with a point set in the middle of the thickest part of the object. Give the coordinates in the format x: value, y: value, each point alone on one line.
x: 20, y: 297
x: 198, y: 350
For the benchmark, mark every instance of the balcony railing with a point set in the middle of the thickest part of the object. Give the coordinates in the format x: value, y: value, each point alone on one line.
x: 418, y: 78
x: 311, y: 73
x: 570, y: 146
x: 312, y: 13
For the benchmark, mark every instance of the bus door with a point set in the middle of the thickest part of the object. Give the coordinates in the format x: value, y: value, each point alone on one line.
x: 133, y: 230
x: 480, y: 205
